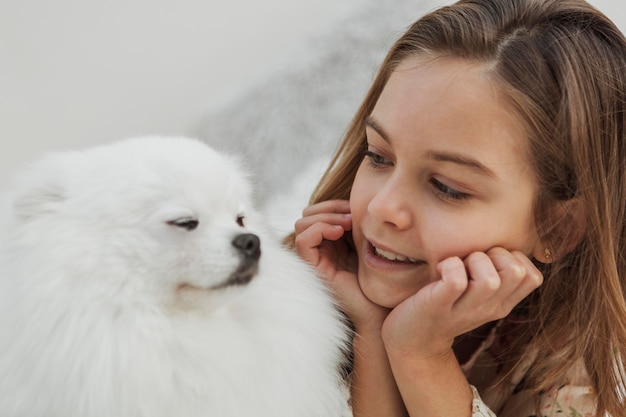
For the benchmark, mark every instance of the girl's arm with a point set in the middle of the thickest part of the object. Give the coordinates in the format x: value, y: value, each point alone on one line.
x: 322, y: 240
x: 374, y: 390
x: 418, y: 334
x: 433, y: 386
x: 404, y: 358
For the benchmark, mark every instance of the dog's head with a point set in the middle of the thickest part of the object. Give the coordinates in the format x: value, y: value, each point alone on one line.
x: 152, y: 216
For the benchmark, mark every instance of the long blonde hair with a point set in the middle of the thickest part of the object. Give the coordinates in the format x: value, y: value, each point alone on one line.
x: 563, y: 66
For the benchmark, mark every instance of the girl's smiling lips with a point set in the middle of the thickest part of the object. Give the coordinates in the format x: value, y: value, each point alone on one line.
x: 379, y: 256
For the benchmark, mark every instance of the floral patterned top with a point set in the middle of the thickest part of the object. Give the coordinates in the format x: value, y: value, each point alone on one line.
x: 508, y: 398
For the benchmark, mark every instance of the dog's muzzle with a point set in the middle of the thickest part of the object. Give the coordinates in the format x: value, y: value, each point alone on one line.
x: 249, y: 247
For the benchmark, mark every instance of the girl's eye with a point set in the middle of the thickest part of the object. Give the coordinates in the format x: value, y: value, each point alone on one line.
x: 377, y: 160
x: 447, y: 192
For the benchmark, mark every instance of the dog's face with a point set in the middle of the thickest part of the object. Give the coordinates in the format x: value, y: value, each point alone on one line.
x: 151, y: 216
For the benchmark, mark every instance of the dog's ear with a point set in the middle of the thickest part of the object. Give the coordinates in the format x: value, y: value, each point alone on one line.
x: 39, y: 190
x: 38, y: 201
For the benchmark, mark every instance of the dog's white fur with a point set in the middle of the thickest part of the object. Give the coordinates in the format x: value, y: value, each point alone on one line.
x: 108, y: 308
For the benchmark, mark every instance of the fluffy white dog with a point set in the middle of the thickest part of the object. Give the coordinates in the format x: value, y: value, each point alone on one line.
x: 137, y: 280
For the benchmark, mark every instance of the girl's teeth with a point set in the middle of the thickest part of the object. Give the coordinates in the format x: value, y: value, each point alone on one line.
x: 393, y: 256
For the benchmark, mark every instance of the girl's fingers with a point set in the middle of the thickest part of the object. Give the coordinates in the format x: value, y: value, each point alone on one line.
x: 452, y: 285
x: 468, y: 283
x: 484, y: 276
x: 330, y: 206
x: 532, y: 278
x: 481, y: 288
x: 339, y: 219
x: 332, y: 212
x: 499, y: 280
x: 518, y: 274
x: 309, y: 240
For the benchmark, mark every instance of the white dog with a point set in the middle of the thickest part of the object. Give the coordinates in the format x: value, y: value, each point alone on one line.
x: 136, y: 280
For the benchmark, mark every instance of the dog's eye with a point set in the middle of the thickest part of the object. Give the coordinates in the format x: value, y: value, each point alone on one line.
x: 240, y: 218
x: 186, y: 223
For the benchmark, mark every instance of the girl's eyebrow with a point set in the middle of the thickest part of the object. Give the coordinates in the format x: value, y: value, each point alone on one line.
x: 372, y: 123
x: 440, y: 156
x: 461, y: 160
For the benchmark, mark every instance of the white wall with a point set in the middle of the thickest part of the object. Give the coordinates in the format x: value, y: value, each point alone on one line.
x: 75, y: 72
x: 78, y: 72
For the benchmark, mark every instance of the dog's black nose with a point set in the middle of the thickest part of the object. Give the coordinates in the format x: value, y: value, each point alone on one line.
x: 249, y: 245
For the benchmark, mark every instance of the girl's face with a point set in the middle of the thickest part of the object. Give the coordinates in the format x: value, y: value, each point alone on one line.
x: 446, y: 174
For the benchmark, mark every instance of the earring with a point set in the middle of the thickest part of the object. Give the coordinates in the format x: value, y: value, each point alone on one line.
x: 547, y: 254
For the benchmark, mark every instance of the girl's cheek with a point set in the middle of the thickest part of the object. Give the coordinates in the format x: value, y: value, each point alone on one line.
x: 359, y: 196
x: 445, y: 238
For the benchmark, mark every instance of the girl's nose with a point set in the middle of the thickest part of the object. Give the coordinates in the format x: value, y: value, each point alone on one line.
x: 392, y: 207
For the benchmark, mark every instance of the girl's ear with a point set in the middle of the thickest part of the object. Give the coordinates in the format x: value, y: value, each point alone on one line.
x: 567, y: 231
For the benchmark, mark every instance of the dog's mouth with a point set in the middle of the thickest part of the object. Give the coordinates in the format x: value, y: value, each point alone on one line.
x: 249, y: 248
x: 246, y: 271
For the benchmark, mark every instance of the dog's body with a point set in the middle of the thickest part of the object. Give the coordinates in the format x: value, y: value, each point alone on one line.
x: 131, y: 285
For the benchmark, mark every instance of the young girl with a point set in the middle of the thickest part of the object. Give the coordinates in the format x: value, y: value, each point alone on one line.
x: 472, y: 221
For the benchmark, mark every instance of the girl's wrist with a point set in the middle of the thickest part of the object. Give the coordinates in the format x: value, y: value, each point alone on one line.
x: 370, y: 321
x: 371, y: 328
x: 403, y: 343
x: 374, y: 391
x: 432, y: 385
x: 418, y: 359
x: 424, y: 351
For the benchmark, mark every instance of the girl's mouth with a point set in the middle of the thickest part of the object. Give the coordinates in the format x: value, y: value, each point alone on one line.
x: 391, y: 256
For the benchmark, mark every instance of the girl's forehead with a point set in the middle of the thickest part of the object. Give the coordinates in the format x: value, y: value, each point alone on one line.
x: 446, y: 103
x: 443, y: 86
x: 440, y: 71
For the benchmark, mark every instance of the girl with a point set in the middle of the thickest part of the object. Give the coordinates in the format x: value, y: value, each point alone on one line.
x: 493, y: 135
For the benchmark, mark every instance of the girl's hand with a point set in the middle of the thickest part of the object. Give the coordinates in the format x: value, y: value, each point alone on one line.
x: 323, y: 239
x: 481, y: 288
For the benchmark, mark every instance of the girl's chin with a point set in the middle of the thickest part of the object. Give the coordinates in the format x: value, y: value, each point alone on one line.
x: 386, y: 304
x: 384, y: 297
